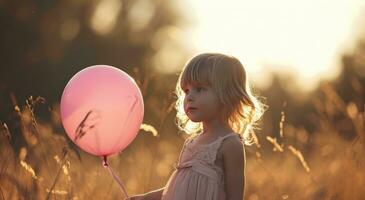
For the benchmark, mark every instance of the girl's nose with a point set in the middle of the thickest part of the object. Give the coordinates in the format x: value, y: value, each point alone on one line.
x: 190, y: 97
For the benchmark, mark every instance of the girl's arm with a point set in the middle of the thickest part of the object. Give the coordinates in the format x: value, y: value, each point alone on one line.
x: 234, y: 166
x: 152, y: 195
x: 155, y: 194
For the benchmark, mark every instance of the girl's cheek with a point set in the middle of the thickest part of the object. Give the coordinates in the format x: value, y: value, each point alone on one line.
x: 185, y: 104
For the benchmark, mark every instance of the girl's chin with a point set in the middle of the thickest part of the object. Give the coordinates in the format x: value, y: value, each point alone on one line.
x: 194, y: 116
x: 195, y: 120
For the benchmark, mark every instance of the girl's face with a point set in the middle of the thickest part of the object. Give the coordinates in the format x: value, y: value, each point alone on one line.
x: 201, y: 103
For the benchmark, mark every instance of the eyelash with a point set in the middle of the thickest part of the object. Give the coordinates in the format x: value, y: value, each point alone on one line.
x: 201, y: 88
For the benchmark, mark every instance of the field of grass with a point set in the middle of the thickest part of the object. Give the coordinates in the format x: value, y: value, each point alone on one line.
x: 39, y: 161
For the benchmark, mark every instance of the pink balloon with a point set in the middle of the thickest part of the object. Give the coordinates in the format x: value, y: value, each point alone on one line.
x: 102, y: 109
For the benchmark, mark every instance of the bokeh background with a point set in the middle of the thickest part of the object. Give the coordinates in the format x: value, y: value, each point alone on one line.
x: 305, y: 60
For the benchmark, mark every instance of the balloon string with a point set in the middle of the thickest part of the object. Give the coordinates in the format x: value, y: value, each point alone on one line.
x: 115, y: 177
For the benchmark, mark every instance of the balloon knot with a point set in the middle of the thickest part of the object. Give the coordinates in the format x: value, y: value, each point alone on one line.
x: 105, y: 161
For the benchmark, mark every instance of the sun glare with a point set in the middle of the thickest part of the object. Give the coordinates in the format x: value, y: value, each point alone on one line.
x: 304, y: 38
x: 105, y: 16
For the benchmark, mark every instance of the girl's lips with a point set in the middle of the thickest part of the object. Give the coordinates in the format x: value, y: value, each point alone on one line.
x: 191, y: 109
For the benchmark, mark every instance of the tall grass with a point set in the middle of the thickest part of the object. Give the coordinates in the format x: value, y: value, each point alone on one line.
x: 297, y: 164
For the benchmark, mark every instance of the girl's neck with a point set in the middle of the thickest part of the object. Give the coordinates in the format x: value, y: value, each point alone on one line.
x: 216, y: 128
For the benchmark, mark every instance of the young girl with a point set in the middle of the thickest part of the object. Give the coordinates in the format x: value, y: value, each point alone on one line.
x: 216, y: 107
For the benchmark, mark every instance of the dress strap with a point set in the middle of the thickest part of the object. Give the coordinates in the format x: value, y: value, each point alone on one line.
x: 221, y: 139
x: 228, y: 135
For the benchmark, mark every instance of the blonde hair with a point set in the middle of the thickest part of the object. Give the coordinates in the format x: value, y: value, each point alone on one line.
x: 227, y: 78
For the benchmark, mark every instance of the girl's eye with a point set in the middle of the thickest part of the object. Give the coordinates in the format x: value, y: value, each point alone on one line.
x: 199, y: 89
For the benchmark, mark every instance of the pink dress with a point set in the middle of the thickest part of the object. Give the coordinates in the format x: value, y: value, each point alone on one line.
x: 197, y: 177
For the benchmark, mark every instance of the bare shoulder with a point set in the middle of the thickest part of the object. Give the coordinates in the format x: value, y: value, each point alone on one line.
x: 233, y: 149
x: 231, y: 144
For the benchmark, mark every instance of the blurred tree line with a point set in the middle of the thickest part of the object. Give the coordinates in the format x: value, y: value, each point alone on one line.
x: 44, y: 43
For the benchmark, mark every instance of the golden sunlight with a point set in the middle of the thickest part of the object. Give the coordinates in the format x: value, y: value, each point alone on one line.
x: 140, y: 14
x: 301, y: 38
x: 105, y: 15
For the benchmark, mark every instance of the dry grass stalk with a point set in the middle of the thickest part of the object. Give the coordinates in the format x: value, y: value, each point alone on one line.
x: 149, y: 128
x: 277, y: 146
x: 299, y: 155
x: 5, y: 130
x: 281, y: 124
x: 65, y: 152
x: 59, y: 192
x: 28, y: 168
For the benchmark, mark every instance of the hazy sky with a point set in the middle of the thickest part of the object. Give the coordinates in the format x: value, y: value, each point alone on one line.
x: 304, y: 37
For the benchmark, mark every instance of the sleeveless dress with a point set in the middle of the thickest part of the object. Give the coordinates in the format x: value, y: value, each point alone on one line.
x: 196, y: 176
